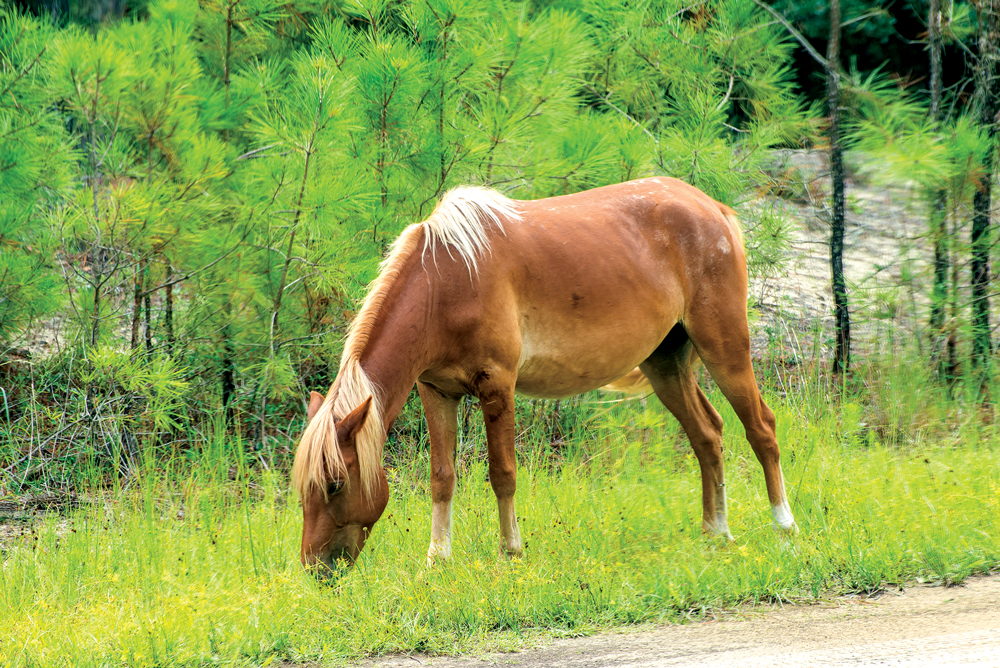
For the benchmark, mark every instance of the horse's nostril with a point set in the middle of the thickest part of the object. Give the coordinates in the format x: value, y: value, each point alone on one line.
x: 330, y: 566
x: 341, y: 559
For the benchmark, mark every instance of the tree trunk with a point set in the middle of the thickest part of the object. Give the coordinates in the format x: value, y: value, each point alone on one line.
x: 227, y: 365
x: 938, y: 202
x: 168, y: 311
x: 136, y: 307
x: 95, y: 315
x: 951, y: 343
x: 842, y: 316
x: 986, y: 107
x: 147, y: 307
x: 228, y: 374
x: 282, y: 282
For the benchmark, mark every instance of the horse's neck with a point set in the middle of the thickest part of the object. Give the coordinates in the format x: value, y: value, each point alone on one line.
x: 399, y: 346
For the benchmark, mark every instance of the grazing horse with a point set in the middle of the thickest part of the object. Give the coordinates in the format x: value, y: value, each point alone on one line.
x: 552, y: 297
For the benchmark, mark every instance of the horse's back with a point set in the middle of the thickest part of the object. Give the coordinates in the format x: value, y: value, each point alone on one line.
x: 597, y: 279
x: 630, y: 220
x: 653, y: 240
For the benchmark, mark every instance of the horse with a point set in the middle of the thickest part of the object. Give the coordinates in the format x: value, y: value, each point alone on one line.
x: 490, y: 296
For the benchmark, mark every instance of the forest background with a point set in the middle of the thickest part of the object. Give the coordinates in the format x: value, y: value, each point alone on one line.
x: 196, y: 194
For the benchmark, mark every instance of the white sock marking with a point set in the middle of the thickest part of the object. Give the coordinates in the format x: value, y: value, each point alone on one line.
x: 783, y: 515
x: 440, y: 547
x: 508, y: 527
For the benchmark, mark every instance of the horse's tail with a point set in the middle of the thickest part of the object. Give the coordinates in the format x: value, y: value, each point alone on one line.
x: 734, y: 223
x: 634, y: 382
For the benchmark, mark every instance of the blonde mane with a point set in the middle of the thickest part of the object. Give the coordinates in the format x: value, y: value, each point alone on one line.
x: 461, y: 220
x: 459, y: 223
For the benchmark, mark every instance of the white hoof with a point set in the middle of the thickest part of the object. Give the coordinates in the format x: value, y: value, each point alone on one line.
x: 717, y: 531
x: 437, y: 554
x: 783, y: 518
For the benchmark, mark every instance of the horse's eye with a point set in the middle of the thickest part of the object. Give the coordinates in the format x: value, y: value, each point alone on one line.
x: 334, y: 487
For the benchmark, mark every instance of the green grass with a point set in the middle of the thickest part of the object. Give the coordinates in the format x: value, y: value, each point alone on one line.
x: 201, y: 570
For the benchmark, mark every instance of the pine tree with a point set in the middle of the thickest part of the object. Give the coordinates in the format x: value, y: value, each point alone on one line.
x: 34, y: 174
x: 941, y: 353
x: 842, y: 313
x: 986, y: 106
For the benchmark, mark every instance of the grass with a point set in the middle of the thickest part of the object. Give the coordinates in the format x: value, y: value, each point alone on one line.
x: 198, y: 569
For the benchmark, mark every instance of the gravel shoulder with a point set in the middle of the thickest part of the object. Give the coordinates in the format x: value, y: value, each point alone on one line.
x: 920, y: 626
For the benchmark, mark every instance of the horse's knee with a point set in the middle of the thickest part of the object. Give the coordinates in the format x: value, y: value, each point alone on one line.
x: 503, y: 478
x: 711, y: 415
x: 708, y: 448
x: 762, y: 435
x: 715, y: 420
x: 765, y: 447
x: 442, y: 484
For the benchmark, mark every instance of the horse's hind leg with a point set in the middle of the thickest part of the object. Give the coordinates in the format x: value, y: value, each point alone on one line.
x: 725, y: 351
x: 442, y: 425
x: 670, y: 372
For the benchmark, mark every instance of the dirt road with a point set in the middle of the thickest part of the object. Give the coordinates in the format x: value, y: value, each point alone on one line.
x: 923, y: 626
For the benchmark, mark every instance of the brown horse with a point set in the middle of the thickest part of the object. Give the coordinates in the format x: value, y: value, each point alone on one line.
x: 551, y: 297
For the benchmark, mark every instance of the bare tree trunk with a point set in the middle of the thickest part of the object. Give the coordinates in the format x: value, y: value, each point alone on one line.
x: 954, y: 309
x: 227, y: 376
x: 282, y: 282
x: 168, y: 311
x: 987, y: 90
x: 95, y: 315
x: 147, y: 304
x: 136, y: 307
x: 938, y: 217
x: 842, y: 315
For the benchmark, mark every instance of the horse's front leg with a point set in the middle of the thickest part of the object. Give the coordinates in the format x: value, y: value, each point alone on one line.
x: 497, y: 401
x: 442, y: 425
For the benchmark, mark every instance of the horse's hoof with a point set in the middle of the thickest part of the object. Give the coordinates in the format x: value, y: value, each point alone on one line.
x: 509, y: 553
x: 434, y: 558
x: 436, y: 561
x: 711, y: 531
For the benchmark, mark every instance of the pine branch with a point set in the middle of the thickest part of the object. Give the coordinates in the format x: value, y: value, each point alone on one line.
x: 794, y: 33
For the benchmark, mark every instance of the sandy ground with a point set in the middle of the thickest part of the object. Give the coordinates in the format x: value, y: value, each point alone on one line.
x: 921, y: 626
x: 886, y: 262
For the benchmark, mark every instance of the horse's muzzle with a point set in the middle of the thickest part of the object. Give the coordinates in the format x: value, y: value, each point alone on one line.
x: 338, y: 555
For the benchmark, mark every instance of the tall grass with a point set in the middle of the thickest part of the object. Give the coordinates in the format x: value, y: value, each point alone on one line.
x: 197, y: 563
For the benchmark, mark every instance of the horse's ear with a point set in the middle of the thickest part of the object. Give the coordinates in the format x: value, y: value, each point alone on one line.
x: 348, y: 427
x: 315, y: 401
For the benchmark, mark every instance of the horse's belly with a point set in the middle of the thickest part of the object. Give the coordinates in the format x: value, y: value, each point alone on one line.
x: 554, y: 369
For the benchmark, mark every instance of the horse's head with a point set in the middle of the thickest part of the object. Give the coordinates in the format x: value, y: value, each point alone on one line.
x: 337, y: 513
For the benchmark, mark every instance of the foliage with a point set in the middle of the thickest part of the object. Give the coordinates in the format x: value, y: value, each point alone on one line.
x: 948, y: 162
x: 892, y: 127
x: 884, y: 35
x: 217, y: 181
x: 156, y: 383
x: 34, y: 174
